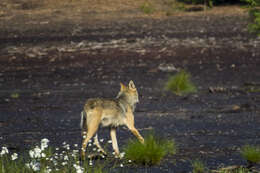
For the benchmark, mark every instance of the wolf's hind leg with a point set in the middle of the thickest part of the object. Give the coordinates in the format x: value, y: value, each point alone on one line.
x: 98, y: 145
x: 92, y: 129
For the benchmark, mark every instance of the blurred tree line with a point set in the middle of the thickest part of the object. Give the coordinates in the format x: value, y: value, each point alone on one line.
x: 254, y: 13
x: 253, y: 5
x: 212, y: 2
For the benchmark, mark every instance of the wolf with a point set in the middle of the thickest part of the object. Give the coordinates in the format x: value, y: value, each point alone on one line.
x: 110, y: 113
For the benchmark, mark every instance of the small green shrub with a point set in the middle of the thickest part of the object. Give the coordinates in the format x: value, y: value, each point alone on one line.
x: 198, y: 166
x: 251, y: 153
x: 151, y: 152
x: 254, y: 13
x: 254, y: 27
x: 180, y: 84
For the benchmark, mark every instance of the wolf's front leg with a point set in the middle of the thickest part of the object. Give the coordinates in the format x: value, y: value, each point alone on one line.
x: 131, y: 125
x: 137, y: 134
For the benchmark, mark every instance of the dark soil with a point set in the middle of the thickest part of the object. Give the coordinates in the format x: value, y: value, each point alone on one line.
x: 47, y: 73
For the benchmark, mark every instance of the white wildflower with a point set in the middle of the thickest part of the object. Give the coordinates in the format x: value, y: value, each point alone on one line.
x: 44, y: 143
x: 121, y: 165
x: 109, y: 141
x: 73, y: 155
x: 64, y: 163
x: 90, y: 163
x: 122, y: 154
x: 43, y: 155
x: 47, y: 170
x: 14, y: 156
x: 35, y: 166
x: 130, y: 161
x: 75, y: 151
x: 35, y: 153
x: 78, y: 168
x: 4, y: 151
x: 76, y: 145
x: 66, y: 157
x: 66, y: 146
x: 45, y: 140
x: 101, y: 140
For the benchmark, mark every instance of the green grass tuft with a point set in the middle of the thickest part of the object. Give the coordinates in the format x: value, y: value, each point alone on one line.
x: 181, y: 84
x: 15, y: 95
x: 147, y: 8
x: 251, y: 153
x: 198, y: 167
x: 151, y: 152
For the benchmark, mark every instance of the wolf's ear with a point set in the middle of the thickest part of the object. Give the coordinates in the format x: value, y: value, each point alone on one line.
x: 123, y: 87
x: 131, y: 85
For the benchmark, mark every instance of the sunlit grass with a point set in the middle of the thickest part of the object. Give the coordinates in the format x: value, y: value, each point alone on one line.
x: 180, y: 83
x: 151, y: 152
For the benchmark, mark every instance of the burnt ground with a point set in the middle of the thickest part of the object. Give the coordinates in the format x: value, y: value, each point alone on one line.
x: 48, y: 71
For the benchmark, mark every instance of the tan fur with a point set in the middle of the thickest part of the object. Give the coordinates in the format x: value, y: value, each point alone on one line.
x: 110, y: 113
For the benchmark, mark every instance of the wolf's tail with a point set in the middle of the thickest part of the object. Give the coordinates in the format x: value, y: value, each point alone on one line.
x: 83, y: 120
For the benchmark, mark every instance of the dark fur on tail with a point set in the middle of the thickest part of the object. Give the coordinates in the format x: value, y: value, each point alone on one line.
x: 83, y: 121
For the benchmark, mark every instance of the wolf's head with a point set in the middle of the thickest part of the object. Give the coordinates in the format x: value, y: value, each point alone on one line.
x: 129, y: 94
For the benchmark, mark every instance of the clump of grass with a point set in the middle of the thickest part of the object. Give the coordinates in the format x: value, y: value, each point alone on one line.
x: 198, y: 167
x: 147, y: 8
x: 181, y: 84
x: 151, y: 152
x: 15, y: 95
x: 251, y: 154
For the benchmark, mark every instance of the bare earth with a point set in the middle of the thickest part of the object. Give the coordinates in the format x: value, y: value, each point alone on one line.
x: 52, y: 61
